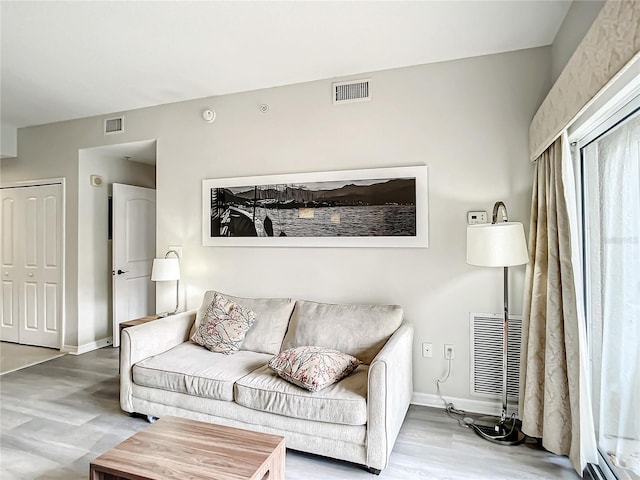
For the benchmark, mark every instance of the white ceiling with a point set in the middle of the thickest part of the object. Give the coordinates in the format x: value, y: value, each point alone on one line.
x: 65, y: 60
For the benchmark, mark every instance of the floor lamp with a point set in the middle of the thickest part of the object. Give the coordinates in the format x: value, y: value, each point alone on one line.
x: 499, y: 244
x: 167, y: 269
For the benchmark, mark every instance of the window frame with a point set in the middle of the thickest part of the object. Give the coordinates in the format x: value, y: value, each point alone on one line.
x: 606, y: 119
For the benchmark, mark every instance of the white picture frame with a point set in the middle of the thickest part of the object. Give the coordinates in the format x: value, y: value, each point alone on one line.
x: 347, y: 208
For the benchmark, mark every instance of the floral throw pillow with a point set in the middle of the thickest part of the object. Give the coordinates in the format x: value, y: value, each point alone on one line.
x: 313, y: 368
x: 223, y: 326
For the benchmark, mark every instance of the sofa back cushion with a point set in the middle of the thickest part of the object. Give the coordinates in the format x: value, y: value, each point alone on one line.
x: 267, y: 332
x: 358, y: 330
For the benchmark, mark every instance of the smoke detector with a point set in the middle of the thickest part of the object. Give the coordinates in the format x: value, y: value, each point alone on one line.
x: 208, y: 115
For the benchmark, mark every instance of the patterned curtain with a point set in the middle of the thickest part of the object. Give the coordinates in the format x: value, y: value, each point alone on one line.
x: 550, y: 366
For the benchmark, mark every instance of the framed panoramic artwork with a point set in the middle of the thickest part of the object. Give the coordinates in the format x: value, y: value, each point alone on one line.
x: 384, y: 207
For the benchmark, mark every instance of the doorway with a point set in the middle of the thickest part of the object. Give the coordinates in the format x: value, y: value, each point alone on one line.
x: 130, y: 163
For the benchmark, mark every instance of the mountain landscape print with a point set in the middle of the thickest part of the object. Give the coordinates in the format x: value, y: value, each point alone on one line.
x: 376, y: 207
x: 348, y: 208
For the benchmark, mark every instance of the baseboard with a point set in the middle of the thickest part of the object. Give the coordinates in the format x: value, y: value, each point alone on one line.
x: 87, y: 347
x: 483, y: 407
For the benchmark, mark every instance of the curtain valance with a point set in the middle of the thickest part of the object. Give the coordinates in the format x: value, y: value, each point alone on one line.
x: 611, y: 44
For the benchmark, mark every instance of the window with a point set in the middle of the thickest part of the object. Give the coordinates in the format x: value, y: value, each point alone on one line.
x: 610, y: 184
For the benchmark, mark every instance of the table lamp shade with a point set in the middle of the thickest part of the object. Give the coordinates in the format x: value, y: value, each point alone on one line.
x: 165, y: 269
x: 496, y: 244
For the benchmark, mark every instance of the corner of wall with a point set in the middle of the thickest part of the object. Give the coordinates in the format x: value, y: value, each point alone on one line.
x: 576, y: 23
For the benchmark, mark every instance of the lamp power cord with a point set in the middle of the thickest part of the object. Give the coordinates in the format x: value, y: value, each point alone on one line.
x: 463, y: 419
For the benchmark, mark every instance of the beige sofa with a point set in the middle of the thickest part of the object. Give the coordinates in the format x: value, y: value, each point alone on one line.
x: 356, y: 419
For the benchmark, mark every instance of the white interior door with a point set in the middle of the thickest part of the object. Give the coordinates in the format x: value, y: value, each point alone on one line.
x: 32, y: 265
x: 10, y: 323
x: 134, y: 246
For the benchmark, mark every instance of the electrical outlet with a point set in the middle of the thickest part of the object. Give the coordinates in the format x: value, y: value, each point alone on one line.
x: 449, y: 351
x: 427, y: 350
x: 177, y: 249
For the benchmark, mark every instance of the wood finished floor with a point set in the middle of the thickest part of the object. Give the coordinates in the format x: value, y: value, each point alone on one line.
x: 14, y: 356
x: 57, y: 416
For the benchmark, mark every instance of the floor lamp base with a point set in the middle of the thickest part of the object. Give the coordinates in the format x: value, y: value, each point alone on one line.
x: 494, y: 430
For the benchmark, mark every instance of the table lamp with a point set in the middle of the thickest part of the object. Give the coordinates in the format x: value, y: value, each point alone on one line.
x: 167, y: 269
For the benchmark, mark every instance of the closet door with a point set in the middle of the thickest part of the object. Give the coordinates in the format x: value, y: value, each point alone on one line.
x: 32, y: 265
x: 9, y: 322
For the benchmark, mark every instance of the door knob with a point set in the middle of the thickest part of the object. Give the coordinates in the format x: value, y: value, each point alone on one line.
x: 31, y: 274
x: 120, y: 272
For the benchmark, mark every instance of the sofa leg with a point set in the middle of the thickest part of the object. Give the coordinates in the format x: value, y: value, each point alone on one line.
x: 374, y: 471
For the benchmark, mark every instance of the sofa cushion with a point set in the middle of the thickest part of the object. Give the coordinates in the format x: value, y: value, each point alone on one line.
x: 313, y: 368
x: 189, y: 368
x: 343, y: 402
x: 272, y: 319
x: 359, y: 330
x: 224, y: 325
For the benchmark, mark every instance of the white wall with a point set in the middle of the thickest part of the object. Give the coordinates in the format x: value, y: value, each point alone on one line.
x: 467, y: 120
x: 94, y: 247
x: 575, y: 25
x: 8, y: 141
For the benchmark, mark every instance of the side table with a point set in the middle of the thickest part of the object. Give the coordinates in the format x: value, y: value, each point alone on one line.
x: 137, y: 321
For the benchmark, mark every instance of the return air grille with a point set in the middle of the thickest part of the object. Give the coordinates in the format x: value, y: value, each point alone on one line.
x: 352, y: 91
x: 113, y: 125
x: 486, y: 355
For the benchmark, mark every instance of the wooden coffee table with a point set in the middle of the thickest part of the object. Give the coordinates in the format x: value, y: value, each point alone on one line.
x: 178, y: 448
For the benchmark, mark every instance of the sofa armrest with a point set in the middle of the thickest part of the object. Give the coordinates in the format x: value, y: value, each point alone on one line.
x: 390, y: 388
x: 146, y: 340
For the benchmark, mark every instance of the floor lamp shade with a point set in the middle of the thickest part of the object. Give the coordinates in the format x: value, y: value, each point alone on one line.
x: 165, y: 269
x: 496, y: 244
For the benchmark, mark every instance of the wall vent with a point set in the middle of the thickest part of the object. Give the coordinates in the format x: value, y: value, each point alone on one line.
x: 352, y: 91
x: 486, y: 355
x: 113, y: 125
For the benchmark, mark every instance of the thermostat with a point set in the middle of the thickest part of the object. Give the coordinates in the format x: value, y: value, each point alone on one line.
x: 476, y: 217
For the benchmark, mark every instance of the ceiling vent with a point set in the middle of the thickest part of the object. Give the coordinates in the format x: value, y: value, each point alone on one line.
x: 113, y: 125
x: 352, y: 91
